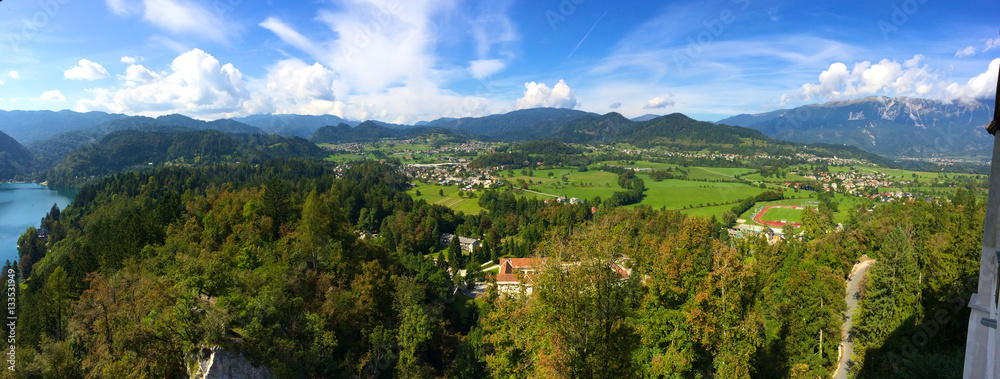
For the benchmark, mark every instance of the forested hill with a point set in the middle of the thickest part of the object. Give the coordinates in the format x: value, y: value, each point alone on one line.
x: 52, y: 150
x: 14, y: 158
x: 370, y: 131
x: 522, y: 125
x: 133, y: 148
x: 292, y: 124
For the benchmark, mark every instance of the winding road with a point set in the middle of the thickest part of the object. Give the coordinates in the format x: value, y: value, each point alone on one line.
x: 853, y: 287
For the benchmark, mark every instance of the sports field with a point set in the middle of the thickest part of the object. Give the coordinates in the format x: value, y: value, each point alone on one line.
x: 779, y: 215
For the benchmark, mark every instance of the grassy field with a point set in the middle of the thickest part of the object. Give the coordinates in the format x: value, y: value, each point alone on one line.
x: 783, y: 214
x: 581, y: 185
x: 676, y: 194
x: 431, y: 194
x: 708, y: 212
x: 714, y: 173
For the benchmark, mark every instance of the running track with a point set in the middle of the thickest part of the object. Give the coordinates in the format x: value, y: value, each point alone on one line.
x: 776, y: 223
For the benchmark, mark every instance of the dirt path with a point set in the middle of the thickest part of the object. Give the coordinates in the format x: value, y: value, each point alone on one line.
x: 858, y: 273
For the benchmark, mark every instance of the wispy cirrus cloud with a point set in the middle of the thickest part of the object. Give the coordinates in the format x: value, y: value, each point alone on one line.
x: 179, y: 17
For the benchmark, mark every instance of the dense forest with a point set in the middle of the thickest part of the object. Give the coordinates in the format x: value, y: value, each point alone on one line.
x: 130, y: 148
x: 14, y: 159
x: 315, y: 274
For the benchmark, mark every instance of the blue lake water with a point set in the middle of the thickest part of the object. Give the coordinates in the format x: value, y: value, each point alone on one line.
x: 23, y: 205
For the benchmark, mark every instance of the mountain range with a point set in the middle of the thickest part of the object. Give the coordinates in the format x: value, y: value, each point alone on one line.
x: 895, y: 127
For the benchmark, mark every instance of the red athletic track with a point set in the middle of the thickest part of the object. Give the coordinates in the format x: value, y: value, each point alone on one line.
x: 776, y: 223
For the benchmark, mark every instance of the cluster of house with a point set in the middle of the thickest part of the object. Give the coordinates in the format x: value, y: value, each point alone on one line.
x: 351, y: 148
x: 447, y: 174
x: 851, y: 182
x: 834, y: 161
x: 468, y: 147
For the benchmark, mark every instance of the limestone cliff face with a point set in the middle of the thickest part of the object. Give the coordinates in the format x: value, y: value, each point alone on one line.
x: 215, y: 363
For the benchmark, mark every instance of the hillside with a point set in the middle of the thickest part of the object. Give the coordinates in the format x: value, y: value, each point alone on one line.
x: 30, y: 126
x: 292, y: 124
x: 129, y: 148
x: 53, y: 149
x: 371, y: 131
x: 522, y: 125
x: 891, y: 126
x: 14, y: 158
x: 223, y: 125
x: 593, y: 129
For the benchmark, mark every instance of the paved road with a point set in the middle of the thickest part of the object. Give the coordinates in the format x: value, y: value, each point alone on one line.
x: 858, y: 273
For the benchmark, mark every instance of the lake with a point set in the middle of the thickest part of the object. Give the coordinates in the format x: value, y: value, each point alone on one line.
x: 23, y: 205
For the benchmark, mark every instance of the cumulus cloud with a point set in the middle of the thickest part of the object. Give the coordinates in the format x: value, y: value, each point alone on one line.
x: 86, y: 70
x: 615, y: 105
x: 891, y: 78
x: 966, y: 52
x: 198, y: 84
x: 885, y: 77
x: 130, y: 60
x: 14, y: 74
x: 983, y: 86
x: 54, y: 95
x: 484, y: 68
x: 537, y: 95
x: 137, y: 75
x: 659, y: 102
x: 292, y: 86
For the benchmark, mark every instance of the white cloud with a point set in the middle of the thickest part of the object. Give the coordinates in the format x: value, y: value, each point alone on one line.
x: 86, y: 70
x: 484, y: 68
x: 198, y: 85
x: 122, y: 8
x: 178, y: 17
x: 137, y: 75
x: 290, y: 36
x: 983, y: 86
x: 131, y: 60
x: 991, y: 44
x: 659, y: 102
x: 615, y: 105
x: 966, y: 52
x: 538, y: 95
x: 1, y: 82
x: 54, y: 95
x: 292, y: 86
x: 14, y: 74
x: 383, y: 53
x: 885, y: 77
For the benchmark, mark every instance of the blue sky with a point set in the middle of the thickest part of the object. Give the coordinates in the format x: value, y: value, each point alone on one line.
x: 409, y: 60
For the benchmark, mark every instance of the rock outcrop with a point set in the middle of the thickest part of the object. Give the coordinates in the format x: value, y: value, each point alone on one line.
x: 215, y: 363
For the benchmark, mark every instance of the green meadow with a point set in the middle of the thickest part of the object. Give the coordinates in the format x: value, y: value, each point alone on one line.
x: 431, y: 193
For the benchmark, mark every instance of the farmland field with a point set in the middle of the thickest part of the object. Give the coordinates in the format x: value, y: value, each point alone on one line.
x: 676, y: 194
